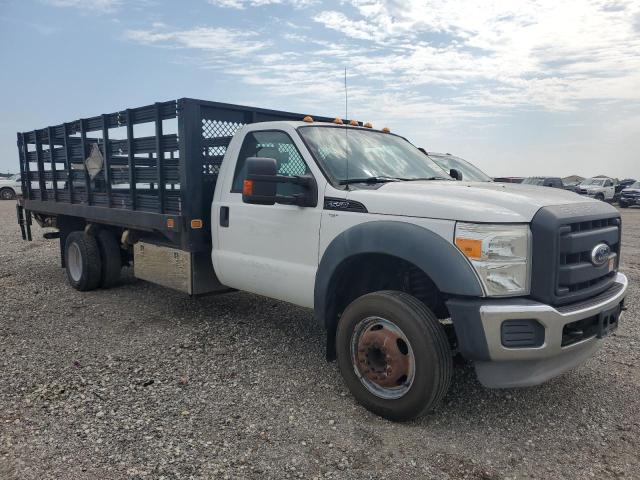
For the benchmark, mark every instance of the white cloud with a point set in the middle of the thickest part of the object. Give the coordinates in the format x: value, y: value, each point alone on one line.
x: 433, y: 57
x: 96, y: 5
x: 242, y: 4
x: 229, y: 42
x: 547, y: 54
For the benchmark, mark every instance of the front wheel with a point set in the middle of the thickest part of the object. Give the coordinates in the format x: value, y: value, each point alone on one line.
x: 623, y: 205
x: 600, y: 196
x: 394, y: 355
x: 7, y: 194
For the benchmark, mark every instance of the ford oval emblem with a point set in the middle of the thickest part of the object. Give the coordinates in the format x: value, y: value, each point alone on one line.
x: 600, y: 254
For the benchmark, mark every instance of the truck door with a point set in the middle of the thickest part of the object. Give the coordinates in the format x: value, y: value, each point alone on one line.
x: 270, y: 250
x: 609, y: 189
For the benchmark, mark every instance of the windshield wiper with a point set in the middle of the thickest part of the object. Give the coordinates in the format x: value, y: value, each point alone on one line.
x: 423, y: 178
x: 369, y: 180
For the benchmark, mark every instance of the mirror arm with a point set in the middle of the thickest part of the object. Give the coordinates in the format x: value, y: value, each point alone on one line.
x: 298, y: 200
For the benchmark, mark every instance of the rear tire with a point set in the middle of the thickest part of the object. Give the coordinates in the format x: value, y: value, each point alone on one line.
x: 82, y: 261
x: 110, y: 257
x: 7, y: 194
x: 600, y: 196
x: 403, y: 337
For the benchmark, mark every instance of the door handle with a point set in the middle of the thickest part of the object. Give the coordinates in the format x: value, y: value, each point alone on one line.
x: 224, y: 216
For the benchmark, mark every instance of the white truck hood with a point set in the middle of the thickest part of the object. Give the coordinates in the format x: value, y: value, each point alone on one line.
x: 463, y: 201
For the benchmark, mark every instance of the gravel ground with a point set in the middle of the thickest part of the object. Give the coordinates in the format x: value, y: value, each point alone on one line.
x: 141, y: 382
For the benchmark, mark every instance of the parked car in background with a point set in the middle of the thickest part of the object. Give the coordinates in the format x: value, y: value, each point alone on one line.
x: 10, y: 187
x: 630, y: 195
x: 572, y: 186
x: 449, y: 162
x: 555, y: 182
x: 622, y: 184
x: 598, y: 188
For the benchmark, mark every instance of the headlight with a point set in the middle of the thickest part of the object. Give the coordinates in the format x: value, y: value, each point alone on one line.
x: 500, y: 255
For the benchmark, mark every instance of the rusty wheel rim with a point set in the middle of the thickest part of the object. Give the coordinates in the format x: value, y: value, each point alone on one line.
x: 382, y: 358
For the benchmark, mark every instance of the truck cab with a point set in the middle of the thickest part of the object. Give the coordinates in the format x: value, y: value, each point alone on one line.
x: 403, y: 266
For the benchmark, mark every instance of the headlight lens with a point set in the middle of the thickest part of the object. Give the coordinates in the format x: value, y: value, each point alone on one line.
x: 499, y: 253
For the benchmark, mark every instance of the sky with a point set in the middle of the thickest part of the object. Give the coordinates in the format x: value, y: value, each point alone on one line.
x: 540, y: 87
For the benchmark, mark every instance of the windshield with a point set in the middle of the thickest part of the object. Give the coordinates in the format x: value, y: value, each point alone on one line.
x: 15, y: 177
x: 593, y: 181
x: 469, y: 172
x: 349, y: 153
x: 634, y: 185
x: 533, y: 181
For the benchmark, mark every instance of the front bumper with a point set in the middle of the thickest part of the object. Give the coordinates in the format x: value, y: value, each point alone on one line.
x: 478, y: 325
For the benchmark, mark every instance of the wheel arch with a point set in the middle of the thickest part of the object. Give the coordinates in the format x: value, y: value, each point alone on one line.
x: 373, y: 252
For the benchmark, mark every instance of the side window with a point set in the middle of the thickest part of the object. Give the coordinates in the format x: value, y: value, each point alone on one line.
x: 271, y: 144
x: 608, y: 183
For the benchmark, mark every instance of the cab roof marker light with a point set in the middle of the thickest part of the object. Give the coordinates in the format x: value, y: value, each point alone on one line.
x: 368, y: 125
x: 308, y: 119
x: 338, y: 121
x: 386, y: 130
x: 354, y: 123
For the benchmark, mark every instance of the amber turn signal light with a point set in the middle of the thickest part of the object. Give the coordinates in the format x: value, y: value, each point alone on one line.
x: 196, y: 223
x: 247, y: 188
x: 470, y: 247
x: 170, y: 223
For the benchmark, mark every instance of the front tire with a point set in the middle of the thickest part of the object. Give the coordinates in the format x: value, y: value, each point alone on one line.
x: 7, y: 194
x: 82, y: 261
x: 600, y: 196
x: 623, y: 205
x: 394, y: 355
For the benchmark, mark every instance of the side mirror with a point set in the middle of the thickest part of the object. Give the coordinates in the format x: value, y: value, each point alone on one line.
x: 457, y: 174
x: 261, y: 185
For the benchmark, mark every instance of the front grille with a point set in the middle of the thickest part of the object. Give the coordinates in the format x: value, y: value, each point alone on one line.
x: 563, y: 239
x: 577, y: 240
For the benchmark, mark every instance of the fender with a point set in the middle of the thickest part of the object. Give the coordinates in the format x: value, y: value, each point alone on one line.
x: 439, y: 259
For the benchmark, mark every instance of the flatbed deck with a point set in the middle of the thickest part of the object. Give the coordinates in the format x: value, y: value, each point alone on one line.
x: 152, y: 168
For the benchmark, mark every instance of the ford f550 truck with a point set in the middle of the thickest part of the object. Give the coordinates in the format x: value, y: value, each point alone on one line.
x: 402, y: 266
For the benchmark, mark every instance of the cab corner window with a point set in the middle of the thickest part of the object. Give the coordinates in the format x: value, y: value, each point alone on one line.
x: 271, y: 144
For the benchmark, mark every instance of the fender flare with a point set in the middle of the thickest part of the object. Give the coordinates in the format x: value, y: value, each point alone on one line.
x: 439, y: 259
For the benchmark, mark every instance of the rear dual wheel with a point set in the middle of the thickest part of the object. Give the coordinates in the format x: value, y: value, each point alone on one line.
x: 394, y: 355
x: 92, y: 261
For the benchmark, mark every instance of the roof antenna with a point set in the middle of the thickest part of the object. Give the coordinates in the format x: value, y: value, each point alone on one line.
x: 346, y: 130
x: 346, y: 96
